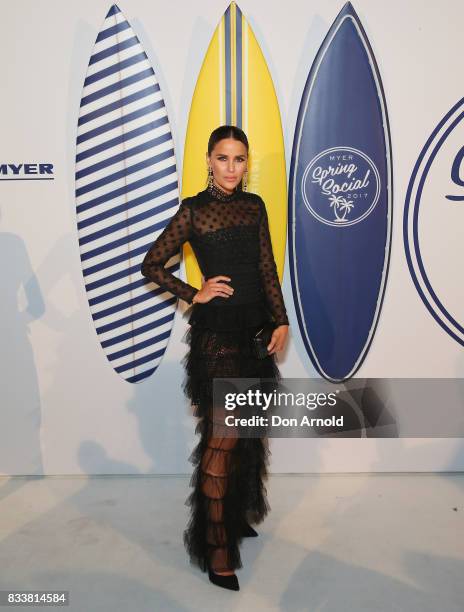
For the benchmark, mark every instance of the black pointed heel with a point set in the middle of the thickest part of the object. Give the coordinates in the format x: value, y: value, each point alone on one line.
x: 226, y: 582
x: 249, y: 532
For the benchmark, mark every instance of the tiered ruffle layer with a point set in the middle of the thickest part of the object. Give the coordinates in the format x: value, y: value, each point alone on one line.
x: 219, y: 345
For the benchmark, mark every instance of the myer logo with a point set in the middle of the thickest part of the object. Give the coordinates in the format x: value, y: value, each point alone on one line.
x: 26, y: 172
x: 340, y: 186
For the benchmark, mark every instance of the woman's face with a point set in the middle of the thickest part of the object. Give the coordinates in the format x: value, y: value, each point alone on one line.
x: 228, y: 160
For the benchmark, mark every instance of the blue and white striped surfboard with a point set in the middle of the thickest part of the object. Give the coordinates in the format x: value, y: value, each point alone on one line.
x: 126, y: 193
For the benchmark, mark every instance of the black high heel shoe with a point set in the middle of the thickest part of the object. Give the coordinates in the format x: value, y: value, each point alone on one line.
x: 226, y: 582
x: 248, y: 531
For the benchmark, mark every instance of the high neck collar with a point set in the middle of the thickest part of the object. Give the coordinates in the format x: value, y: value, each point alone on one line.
x: 220, y: 194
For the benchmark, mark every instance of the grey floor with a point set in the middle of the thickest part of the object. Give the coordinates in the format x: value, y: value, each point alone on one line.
x: 332, y: 543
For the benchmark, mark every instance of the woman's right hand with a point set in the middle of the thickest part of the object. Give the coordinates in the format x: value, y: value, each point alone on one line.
x: 212, y: 288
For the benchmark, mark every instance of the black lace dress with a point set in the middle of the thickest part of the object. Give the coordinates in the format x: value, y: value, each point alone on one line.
x: 229, y: 235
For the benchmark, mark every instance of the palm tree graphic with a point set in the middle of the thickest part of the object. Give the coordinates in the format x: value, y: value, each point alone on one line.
x: 340, y: 205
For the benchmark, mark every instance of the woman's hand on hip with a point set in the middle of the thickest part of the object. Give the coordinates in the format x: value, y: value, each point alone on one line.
x: 212, y: 288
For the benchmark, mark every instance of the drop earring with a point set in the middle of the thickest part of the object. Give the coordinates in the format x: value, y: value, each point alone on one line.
x: 244, y: 180
x: 210, y: 176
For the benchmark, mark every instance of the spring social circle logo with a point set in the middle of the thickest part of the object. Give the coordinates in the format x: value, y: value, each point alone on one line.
x: 433, y: 221
x: 341, y: 186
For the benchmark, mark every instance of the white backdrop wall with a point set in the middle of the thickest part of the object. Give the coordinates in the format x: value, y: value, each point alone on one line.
x: 63, y: 408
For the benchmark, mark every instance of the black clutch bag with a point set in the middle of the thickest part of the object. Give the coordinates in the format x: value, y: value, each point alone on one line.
x: 261, y: 340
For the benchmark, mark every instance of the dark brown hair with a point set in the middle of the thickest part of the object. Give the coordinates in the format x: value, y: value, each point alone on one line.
x: 226, y: 131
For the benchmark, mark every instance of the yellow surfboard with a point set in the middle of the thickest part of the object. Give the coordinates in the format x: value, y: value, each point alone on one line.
x: 234, y: 87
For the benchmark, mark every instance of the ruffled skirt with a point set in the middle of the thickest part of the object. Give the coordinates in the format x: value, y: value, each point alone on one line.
x: 229, y: 472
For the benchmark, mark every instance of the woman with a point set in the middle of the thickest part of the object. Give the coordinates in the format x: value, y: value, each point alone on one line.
x: 227, y: 228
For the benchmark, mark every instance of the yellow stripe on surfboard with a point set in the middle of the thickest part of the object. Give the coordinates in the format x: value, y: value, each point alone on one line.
x: 260, y: 121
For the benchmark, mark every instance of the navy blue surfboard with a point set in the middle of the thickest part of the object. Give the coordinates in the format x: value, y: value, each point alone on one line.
x: 340, y: 201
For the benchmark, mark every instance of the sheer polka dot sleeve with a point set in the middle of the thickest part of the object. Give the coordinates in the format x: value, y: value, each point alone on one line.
x: 177, y: 231
x: 268, y: 270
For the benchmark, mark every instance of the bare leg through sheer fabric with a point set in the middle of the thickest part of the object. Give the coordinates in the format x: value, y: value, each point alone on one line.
x: 229, y: 472
x: 215, y: 465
